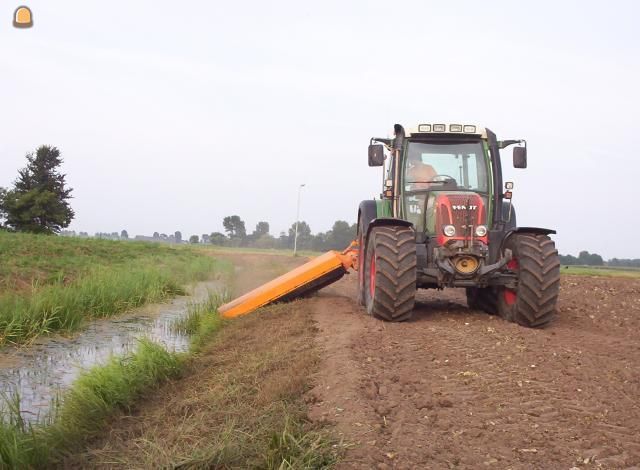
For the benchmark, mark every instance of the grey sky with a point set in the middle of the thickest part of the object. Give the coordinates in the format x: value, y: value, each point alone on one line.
x: 171, y: 117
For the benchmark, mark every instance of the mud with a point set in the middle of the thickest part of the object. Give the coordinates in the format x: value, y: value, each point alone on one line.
x: 456, y: 388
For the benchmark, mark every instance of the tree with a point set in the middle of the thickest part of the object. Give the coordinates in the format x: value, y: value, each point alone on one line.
x: 38, y: 201
x: 156, y: 235
x: 124, y: 235
x: 217, y: 238
x: 193, y: 239
x: 205, y: 238
x: 178, y: 236
x: 340, y: 235
x: 234, y: 226
x: 568, y: 260
x: 304, y: 235
x: 283, y: 240
x: 262, y: 228
x: 590, y: 259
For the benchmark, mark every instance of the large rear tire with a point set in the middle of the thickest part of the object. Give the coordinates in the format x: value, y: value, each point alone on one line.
x: 483, y: 298
x: 536, y: 263
x: 390, y: 273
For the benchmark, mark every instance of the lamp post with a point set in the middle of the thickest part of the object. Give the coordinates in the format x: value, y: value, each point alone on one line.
x: 295, y: 238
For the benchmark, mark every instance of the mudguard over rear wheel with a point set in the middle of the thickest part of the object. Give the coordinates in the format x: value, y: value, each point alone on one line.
x: 390, y: 272
x: 535, y: 261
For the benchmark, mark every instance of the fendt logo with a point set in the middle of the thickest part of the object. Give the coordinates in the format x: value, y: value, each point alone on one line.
x: 464, y: 208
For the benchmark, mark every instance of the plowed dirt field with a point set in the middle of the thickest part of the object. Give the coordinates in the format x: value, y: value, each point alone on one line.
x: 459, y: 388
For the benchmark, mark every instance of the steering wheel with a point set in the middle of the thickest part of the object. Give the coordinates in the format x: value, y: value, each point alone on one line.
x: 445, y: 178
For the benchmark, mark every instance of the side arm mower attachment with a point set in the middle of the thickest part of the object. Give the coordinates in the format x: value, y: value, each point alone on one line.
x: 303, y: 280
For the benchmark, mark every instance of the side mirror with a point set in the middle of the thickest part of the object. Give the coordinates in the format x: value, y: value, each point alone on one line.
x: 376, y: 155
x: 520, y: 157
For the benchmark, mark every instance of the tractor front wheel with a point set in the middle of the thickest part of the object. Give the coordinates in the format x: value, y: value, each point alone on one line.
x: 390, y: 273
x: 536, y: 263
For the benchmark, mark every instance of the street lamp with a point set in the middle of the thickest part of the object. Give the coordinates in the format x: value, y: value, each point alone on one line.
x: 295, y: 238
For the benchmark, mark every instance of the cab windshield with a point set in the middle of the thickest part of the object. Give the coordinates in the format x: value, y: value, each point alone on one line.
x: 446, y: 166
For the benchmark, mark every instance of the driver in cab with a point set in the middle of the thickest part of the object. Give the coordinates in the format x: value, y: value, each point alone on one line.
x: 420, y: 175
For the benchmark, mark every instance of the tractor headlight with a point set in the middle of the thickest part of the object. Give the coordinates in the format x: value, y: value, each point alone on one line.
x: 449, y: 230
x: 481, y: 230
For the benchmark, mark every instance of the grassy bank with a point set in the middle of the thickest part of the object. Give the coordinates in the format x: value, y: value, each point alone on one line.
x: 94, y: 397
x: 52, y: 284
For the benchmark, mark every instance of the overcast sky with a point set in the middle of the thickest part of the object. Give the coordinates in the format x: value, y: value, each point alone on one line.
x: 170, y: 117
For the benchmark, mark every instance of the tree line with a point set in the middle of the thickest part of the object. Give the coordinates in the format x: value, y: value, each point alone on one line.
x: 236, y: 235
x: 585, y: 258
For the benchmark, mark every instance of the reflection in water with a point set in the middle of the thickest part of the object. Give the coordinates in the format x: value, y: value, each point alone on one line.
x: 38, y: 373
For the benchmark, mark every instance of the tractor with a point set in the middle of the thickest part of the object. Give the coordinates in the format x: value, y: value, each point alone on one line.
x: 446, y: 219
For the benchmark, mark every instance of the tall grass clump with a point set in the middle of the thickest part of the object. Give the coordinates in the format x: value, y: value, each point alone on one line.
x: 20, y: 446
x: 202, y: 319
x: 294, y: 447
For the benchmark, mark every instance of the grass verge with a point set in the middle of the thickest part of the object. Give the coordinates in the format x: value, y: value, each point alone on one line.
x: 136, y: 274
x: 94, y: 397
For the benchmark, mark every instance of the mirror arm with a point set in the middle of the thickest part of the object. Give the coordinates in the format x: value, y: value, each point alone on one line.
x: 386, y: 142
x: 502, y: 144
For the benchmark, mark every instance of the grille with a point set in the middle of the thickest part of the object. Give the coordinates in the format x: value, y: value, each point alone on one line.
x: 459, y: 210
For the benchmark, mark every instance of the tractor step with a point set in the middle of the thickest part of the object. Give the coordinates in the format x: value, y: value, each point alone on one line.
x: 304, y: 280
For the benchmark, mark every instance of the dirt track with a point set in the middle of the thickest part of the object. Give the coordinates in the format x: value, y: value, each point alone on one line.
x: 458, y: 388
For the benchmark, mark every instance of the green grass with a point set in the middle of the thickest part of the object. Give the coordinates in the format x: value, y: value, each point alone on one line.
x: 600, y: 271
x: 202, y: 320
x: 28, y: 260
x: 294, y: 447
x: 261, y: 251
x: 71, y: 280
x: 87, y: 406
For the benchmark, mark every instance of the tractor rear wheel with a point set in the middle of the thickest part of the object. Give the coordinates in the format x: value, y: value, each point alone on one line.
x: 483, y: 298
x: 390, y: 273
x: 536, y: 263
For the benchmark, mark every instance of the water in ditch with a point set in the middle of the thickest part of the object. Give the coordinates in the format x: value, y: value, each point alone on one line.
x: 39, y: 372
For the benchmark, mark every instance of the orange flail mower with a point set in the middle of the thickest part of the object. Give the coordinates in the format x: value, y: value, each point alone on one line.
x: 304, y: 280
